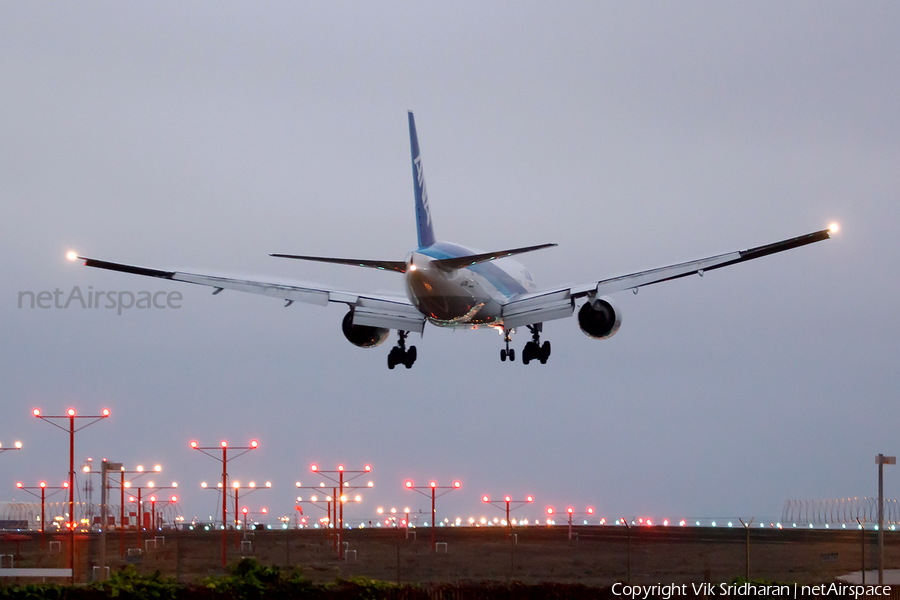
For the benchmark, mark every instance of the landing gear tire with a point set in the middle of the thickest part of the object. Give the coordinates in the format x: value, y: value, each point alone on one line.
x: 399, y: 355
x: 527, y: 353
x: 545, y: 353
x: 534, y: 350
x: 507, y: 352
x: 410, y: 357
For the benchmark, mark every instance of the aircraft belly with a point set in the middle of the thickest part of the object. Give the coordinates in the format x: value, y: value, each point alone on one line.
x: 448, y: 304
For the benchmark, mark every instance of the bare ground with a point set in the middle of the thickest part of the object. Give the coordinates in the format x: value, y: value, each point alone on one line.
x: 598, y: 557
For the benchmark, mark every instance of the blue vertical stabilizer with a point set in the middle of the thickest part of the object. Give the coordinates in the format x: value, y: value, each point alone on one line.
x: 423, y: 211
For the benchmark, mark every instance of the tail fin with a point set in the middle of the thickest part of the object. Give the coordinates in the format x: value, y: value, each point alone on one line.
x: 423, y: 211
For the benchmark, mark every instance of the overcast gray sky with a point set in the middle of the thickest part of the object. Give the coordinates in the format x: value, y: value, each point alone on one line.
x: 203, y: 136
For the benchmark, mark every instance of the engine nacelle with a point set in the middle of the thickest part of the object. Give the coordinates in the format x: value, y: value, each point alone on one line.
x: 363, y: 335
x: 599, y: 318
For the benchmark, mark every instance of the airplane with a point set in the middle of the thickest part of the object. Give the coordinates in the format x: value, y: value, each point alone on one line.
x: 449, y: 285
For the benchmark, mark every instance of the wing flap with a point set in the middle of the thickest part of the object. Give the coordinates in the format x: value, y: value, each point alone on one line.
x: 535, y: 312
x: 389, y: 314
x: 388, y: 320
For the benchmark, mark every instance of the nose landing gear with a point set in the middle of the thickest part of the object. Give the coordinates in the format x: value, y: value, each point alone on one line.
x: 399, y: 355
x: 534, y: 350
x: 507, y: 352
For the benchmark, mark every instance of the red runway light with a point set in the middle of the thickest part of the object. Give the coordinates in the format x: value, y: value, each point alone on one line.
x: 570, y: 510
x: 409, y: 484
x: 174, y: 498
x: 18, y: 484
x: 265, y: 510
x: 549, y: 510
x: 131, y: 498
x: 367, y: 468
x: 485, y: 499
x: 224, y: 444
x: 590, y: 510
x: 313, y: 468
x: 152, y: 498
x: 244, y: 510
x: 105, y: 412
x: 43, y: 484
x: 193, y: 444
x: 36, y: 412
x: 529, y: 499
x: 433, y: 484
x: 508, y: 499
x: 340, y: 467
x: 66, y: 484
x: 254, y: 443
x: 456, y: 484
x: 71, y: 412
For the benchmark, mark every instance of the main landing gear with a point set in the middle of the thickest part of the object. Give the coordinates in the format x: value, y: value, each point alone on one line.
x: 507, y: 352
x: 399, y: 355
x: 534, y: 350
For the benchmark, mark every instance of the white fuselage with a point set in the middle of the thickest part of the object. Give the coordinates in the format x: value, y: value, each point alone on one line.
x: 467, y: 297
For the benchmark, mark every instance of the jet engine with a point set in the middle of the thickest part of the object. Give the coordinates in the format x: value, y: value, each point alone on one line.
x: 599, y: 319
x: 363, y: 335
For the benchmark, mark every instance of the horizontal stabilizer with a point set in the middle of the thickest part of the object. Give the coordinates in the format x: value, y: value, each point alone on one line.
x: 384, y: 265
x: 451, y: 264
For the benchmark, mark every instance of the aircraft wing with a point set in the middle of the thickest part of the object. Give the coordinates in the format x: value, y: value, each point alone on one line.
x: 543, y: 306
x: 368, y: 309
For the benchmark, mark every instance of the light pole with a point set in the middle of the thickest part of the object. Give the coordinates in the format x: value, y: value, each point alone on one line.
x: 223, y: 446
x: 314, y: 500
x: 140, y: 504
x: 123, y: 485
x: 406, y: 521
x: 747, y: 563
x: 570, y: 511
x: 433, y: 486
x: 508, y: 502
x: 16, y: 446
x: 628, y: 527
x: 71, y: 416
x: 882, y: 460
x: 339, y: 496
x: 236, y: 485
x: 246, y: 511
x: 156, y: 518
x: 43, y: 487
